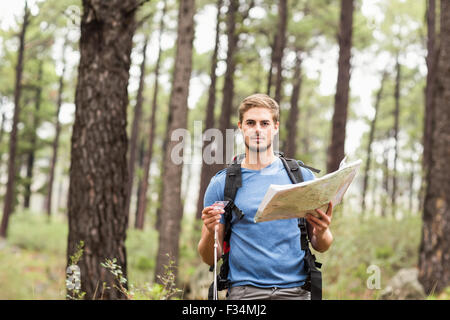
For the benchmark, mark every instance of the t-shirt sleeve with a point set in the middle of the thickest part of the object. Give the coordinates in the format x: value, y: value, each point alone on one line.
x: 215, y: 191
x: 212, y: 193
x: 307, y: 174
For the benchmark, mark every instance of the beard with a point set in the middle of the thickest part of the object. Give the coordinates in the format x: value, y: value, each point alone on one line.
x: 258, y: 148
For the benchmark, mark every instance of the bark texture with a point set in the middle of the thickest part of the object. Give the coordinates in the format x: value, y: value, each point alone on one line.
x: 434, y: 254
x: 431, y: 79
x: 98, y: 171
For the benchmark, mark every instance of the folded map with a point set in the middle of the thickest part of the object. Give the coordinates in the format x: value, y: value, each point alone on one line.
x: 296, y: 200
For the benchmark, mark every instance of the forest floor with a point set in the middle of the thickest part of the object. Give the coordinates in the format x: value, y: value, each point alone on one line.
x: 33, y: 258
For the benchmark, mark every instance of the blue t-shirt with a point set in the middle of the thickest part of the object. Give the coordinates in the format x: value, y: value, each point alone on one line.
x: 263, y: 254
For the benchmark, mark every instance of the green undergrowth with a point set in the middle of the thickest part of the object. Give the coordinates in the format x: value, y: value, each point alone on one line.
x: 365, y: 247
x: 33, y: 258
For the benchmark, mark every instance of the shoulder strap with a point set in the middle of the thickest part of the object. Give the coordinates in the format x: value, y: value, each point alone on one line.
x: 293, y: 169
x: 301, y: 164
x: 303, y: 234
x: 233, y: 182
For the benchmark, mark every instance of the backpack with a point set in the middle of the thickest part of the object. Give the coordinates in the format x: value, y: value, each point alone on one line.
x: 233, y: 182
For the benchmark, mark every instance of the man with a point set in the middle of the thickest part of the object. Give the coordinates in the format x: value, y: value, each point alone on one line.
x: 266, y: 261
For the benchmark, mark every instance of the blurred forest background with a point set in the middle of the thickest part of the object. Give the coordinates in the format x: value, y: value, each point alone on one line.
x: 91, y: 91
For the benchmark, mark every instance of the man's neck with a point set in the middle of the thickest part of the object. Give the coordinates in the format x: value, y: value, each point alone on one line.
x: 257, y: 160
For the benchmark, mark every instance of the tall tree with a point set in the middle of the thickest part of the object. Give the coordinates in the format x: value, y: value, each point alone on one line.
x: 171, y: 208
x: 98, y: 169
x: 291, y: 144
x: 270, y: 73
x: 2, y: 127
x: 142, y: 197
x: 411, y: 188
x: 386, y: 185
x: 207, y: 168
x: 135, y: 127
x: 135, y: 130
x: 228, y: 87
x: 339, y: 122
x: 369, y: 144
x: 280, y: 43
x: 9, y: 197
x: 395, y: 134
x: 434, y: 257
x: 32, y: 149
x: 55, y: 144
x: 431, y: 60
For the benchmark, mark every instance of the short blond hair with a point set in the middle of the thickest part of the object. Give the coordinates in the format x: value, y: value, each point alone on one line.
x: 260, y: 100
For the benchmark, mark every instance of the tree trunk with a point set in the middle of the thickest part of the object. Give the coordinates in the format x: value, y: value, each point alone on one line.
x: 55, y: 145
x: 207, y: 169
x: 339, y: 122
x: 385, y: 194
x: 369, y: 144
x: 431, y: 61
x: 411, y: 189
x: 141, y: 166
x: 98, y: 170
x: 270, y: 73
x: 135, y: 127
x: 2, y: 127
x: 279, y: 48
x: 306, y: 140
x: 434, y: 257
x: 430, y: 85
x: 160, y: 186
x: 9, y: 197
x: 291, y: 140
x: 228, y: 88
x: 172, y: 210
x: 396, y: 128
x: 142, y: 198
x: 31, y: 153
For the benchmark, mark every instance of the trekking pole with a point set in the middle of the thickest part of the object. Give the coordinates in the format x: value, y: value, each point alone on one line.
x: 218, y: 205
x: 216, y: 229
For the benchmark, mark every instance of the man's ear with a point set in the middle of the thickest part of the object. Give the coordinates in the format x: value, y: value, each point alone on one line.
x: 277, y: 126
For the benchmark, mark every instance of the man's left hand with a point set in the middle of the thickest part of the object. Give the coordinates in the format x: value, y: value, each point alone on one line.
x: 321, y: 224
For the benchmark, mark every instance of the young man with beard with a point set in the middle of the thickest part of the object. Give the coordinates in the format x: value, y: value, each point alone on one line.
x: 265, y: 259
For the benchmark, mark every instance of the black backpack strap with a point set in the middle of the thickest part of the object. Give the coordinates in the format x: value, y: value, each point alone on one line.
x: 300, y: 163
x: 303, y: 234
x: 233, y: 182
x: 293, y: 169
x: 290, y: 163
x: 314, y: 281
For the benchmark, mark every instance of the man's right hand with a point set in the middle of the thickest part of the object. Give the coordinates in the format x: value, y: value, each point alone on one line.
x: 211, y: 217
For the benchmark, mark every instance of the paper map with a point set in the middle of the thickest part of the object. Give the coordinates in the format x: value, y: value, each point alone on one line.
x: 296, y: 200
